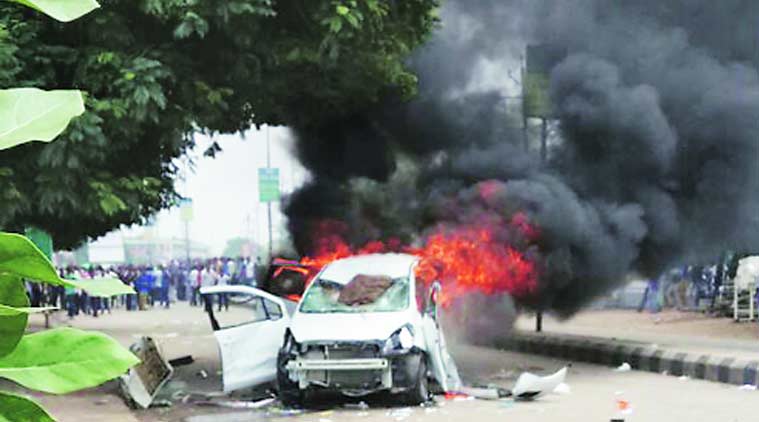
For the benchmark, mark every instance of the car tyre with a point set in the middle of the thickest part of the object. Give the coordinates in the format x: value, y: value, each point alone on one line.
x: 289, y: 391
x: 420, y: 393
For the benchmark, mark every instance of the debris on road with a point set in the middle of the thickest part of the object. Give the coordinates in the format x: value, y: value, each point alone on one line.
x: 239, y: 404
x: 181, y: 361
x: 625, y: 367
x: 747, y: 387
x: 202, y: 374
x: 486, y: 393
x: 624, y: 407
x: 530, y: 386
x: 563, y: 389
x: 356, y: 406
x: 141, y: 384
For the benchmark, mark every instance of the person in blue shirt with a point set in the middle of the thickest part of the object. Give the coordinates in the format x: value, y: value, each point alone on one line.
x: 651, y: 297
x: 165, y: 285
x: 144, y: 285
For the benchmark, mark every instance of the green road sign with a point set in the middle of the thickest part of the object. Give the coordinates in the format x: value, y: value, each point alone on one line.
x: 185, y: 209
x: 268, y: 184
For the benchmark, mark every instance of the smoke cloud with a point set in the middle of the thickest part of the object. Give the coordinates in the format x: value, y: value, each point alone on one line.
x: 654, y: 153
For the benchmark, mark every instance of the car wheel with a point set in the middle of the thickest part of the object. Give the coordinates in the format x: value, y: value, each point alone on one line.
x: 420, y: 393
x: 289, y: 391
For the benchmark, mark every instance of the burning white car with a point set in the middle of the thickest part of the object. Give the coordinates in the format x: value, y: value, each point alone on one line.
x: 364, y: 325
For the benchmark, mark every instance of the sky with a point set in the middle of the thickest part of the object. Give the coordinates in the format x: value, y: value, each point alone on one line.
x: 224, y: 190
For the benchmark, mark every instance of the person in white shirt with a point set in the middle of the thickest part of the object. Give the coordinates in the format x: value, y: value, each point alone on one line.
x: 223, y: 280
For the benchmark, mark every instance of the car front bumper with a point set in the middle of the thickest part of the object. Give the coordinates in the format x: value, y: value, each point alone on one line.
x: 395, y: 372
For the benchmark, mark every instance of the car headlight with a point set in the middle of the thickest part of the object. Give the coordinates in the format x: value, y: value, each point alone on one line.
x: 402, y: 339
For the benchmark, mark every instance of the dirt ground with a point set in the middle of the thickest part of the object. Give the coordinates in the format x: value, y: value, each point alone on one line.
x: 594, y: 390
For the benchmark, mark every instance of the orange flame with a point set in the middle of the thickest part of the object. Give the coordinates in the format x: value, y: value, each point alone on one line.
x: 465, y: 259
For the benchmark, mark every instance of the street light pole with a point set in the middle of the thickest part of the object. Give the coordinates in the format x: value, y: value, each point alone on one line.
x: 268, y: 204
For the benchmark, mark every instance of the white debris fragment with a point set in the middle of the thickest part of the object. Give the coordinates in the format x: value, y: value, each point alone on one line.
x: 562, y: 389
x: 529, y: 385
x: 747, y: 387
x: 400, y: 414
x: 625, y: 367
x: 683, y: 378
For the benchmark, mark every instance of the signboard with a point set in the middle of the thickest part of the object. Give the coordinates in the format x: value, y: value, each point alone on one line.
x: 268, y: 184
x: 541, y: 59
x: 185, y: 209
x: 42, y: 239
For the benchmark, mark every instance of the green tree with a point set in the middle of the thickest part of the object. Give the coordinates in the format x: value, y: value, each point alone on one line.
x: 45, y: 361
x: 155, y: 71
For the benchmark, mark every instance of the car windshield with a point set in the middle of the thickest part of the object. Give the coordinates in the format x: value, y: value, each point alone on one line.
x: 327, y: 296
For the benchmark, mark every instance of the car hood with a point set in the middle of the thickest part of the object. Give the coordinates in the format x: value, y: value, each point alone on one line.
x: 346, y: 326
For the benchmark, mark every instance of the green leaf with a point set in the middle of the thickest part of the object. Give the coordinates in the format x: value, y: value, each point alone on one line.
x: 104, y: 287
x: 62, y: 10
x: 13, y: 311
x: 31, y: 114
x: 63, y: 360
x: 12, y: 326
x: 342, y: 10
x: 20, y: 257
x: 15, y: 408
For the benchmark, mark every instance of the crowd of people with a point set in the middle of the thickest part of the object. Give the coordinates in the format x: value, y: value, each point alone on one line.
x: 154, y: 285
x: 693, y: 287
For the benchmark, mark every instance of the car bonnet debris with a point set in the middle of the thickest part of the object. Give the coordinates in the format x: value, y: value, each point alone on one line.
x: 142, y: 383
x: 530, y: 386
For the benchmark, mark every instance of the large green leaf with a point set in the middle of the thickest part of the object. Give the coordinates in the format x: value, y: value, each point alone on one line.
x: 15, y: 408
x: 12, y: 326
x: 104, y: 287
x: 20, y: 257
x: 63, y: 360
x: 31, y: 114
x: 13, y: 311
x: 62, y: 10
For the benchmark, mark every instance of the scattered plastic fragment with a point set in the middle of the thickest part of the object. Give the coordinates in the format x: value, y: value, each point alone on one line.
x: 624, y: 407
x: 357, y: 406
x: 530, y: 386
x: 239, y: 404
x: 563, y: 389
x: 683, y: 378
x: 450, y: 395
x: 625, y: 367
x: 202, y: 374
x: 181, y: 361
x: 400, y: 414
x: 747, y: 387
x: 488, y: 393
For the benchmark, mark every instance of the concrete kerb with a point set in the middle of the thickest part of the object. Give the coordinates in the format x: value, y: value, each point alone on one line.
x: 614, y: 352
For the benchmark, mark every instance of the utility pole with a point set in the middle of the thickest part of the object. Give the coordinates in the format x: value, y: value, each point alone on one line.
x: 268, y: 204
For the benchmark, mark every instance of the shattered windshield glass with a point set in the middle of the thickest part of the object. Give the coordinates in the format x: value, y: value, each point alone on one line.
x: 362, y: 294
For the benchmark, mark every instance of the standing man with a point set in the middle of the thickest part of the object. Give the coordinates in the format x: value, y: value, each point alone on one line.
x: 144, y: 286
x: 194, y: 282
x: 651, y: 297
x: 223, y: 280
x: 208, y: 277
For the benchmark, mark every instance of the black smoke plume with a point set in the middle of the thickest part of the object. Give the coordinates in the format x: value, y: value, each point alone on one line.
x: 654, y: 159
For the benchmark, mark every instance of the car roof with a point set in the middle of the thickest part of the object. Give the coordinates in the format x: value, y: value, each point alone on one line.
x: 392, y: 265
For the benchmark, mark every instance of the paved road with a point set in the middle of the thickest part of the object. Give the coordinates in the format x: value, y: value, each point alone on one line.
x: 593, y: 396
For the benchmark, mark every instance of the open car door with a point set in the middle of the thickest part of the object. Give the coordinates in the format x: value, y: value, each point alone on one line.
x: 441, y: 363
x: 249, y: 333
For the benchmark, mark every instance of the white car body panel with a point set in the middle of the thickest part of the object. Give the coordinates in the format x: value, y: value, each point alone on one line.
x: 249, y: 351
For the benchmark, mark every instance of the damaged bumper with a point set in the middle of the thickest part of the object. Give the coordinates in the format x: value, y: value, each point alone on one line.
x: 368, y: 373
